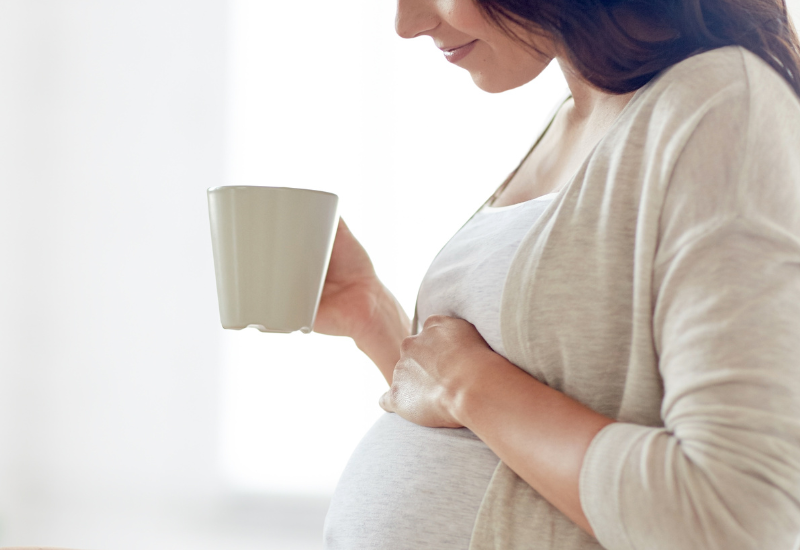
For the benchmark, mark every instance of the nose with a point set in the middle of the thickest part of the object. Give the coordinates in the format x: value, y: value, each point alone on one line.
x: 415, y: 18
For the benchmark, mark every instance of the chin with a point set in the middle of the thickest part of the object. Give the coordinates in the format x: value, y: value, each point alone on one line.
x: 495, y: 84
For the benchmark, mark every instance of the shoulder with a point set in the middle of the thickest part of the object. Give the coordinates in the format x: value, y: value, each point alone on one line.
x: 728, y: 96
x: 731, y: 78
x: 727, y: 133
x: 731, y: 96
x: 704, y: 74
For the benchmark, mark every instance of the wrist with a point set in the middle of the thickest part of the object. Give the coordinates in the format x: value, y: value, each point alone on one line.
x: 473, y: 389
x: 385, y: 330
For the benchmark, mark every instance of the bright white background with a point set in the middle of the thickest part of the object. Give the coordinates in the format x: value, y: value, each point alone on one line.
x: 128, y: 419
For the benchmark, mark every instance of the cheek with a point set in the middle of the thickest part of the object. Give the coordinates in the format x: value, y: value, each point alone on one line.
x: 465, y: 16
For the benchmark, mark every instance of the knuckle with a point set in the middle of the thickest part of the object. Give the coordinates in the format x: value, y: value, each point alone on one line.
x: 398, y: 367
x: 431, y: 320
x: 407, y: 343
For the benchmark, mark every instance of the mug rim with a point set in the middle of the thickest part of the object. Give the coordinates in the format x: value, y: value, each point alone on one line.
x: 225, y: 187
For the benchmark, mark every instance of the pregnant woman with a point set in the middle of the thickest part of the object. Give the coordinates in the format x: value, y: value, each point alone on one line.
x: 608, y: 352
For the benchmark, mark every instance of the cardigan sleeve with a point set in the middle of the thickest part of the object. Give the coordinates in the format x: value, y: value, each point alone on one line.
x: 724, y: 470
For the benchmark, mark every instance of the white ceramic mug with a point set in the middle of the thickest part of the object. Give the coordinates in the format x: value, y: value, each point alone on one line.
x: 271, y: 247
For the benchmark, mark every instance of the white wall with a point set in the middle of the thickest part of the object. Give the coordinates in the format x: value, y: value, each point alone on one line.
x: 111, y: 128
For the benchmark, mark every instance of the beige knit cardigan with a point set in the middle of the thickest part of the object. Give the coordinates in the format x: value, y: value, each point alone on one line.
x: 662, y: 288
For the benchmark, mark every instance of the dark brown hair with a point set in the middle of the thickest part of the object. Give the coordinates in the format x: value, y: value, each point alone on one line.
x: 605, y: 52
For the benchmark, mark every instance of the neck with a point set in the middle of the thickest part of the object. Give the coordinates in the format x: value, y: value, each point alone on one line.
x: 591, y: 104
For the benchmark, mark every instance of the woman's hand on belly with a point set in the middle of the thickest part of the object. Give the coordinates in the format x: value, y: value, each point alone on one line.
x: 448, y: 377
x: 434, y: 367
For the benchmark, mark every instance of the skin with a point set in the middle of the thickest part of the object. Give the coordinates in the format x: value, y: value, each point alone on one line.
x: 447, y: 376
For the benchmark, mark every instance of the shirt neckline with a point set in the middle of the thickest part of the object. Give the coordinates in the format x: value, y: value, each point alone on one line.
x: 541, y: 198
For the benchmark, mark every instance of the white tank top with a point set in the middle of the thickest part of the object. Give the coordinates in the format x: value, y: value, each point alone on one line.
x: 466, y: 279
x: 408, y: 487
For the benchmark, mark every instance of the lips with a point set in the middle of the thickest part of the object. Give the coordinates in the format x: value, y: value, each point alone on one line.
x: 454, y: 55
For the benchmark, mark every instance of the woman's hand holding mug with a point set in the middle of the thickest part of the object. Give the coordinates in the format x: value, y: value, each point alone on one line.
x: 351, y: 292
x: 355, y: 303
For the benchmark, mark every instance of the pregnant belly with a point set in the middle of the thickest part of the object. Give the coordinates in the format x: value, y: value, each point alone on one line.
x: 409, y: 487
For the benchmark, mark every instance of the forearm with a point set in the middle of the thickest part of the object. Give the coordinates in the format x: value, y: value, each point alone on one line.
x: 538, y: 432
x: 387, y: 328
